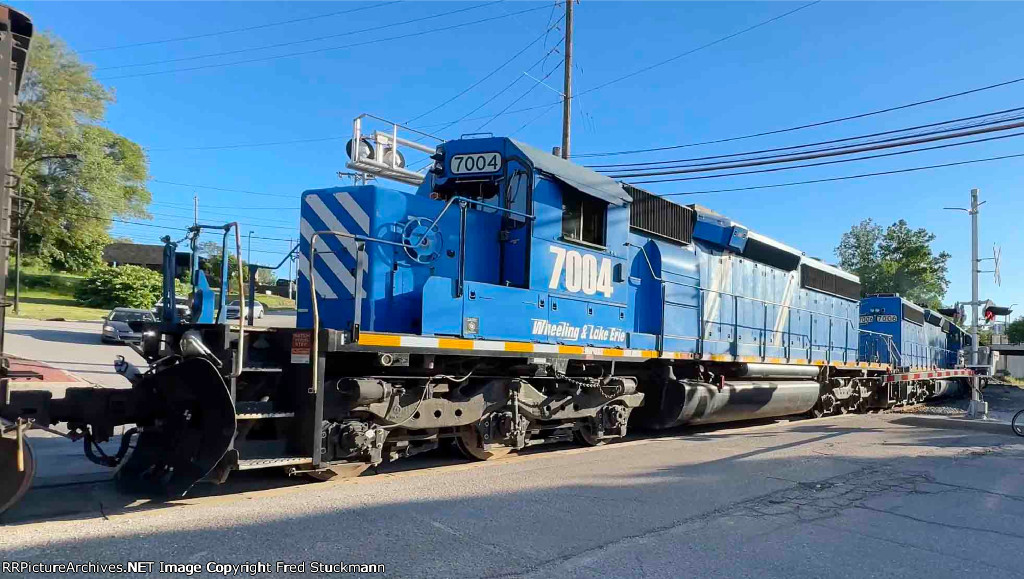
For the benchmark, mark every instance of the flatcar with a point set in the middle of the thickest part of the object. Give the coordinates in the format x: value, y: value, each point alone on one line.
x: 513, y: 298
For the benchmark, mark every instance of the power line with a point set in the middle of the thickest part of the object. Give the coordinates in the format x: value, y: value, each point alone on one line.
x: 1002, y: 116
x: 294, y: 42
x: 235, y: 207
x: 327, y: 49
x: 846, y: 177
x: 194, y: 186
x: 642, y: 70
x: 488, y: 75
x: 844, y: 151
x: 248, y: 145
x: 534, y: 119
x: 521, y: 97
x: 493, y: 97
x: 702, y: 47
x: 809, y: 125
x: 821, y: 163
x: 236, y: 30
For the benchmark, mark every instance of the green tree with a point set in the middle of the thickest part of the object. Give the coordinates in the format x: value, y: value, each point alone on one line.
x: 128, y: 286
x: 897, y: 260
x: 64, y: 107
x: 1015, y: 331
x: 210, y: 251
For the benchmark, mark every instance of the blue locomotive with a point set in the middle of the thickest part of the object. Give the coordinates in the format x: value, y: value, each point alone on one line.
x: 511, y: 298
x: 924, y: 339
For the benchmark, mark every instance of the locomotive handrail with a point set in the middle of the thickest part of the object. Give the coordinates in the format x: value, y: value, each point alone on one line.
x: 467, y: 200
x: 887, y: 338
x: 361, y: 241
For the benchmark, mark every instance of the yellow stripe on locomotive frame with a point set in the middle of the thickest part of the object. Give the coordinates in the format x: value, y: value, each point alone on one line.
x: 455, y: 345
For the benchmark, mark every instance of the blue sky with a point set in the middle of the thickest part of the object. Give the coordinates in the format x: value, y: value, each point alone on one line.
x: 829, y: 60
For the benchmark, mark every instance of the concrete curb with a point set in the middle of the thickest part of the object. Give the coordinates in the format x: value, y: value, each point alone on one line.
x: 931, y: 421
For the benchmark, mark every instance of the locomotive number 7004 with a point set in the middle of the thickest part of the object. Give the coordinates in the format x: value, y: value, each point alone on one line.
x: 476, y: 163
x: 582, y: 272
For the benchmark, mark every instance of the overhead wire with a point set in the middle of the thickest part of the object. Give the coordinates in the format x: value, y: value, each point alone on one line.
x: 521, y: 97
x: 223, y: 189
x: 295, y: 42
x: 488, y: 75
x: 809, y: 125
x: 236, y: 30
x: 815, y: 155
x: 507, y: 110
x: 962, y: 122
x: 834, y: 162
x: 326, y: 49
x: 846, y: 177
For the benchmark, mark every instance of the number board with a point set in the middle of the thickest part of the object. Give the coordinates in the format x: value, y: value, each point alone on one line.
x: 475, y: 163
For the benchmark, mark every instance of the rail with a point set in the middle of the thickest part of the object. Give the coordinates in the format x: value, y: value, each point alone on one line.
x: 789, y: 308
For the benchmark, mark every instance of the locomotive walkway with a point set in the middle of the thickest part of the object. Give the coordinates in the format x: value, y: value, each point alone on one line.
x: 852, y: 496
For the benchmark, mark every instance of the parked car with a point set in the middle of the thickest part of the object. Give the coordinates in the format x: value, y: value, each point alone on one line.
x: 181, y: 304
x: 116, y: 328
x: 258, y: 310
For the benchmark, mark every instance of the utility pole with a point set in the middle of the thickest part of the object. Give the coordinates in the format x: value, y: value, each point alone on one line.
x: 974, y: 276
x: 195, y: 209
x: 567, y: 87
x: 978, y: 408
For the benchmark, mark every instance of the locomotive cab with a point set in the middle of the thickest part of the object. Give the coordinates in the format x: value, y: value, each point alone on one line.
x: 497, y: 227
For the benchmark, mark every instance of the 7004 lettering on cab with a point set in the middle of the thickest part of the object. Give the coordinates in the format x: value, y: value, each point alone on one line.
x: 582, y: 272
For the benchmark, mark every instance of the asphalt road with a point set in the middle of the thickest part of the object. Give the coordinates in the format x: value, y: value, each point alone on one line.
x: 853, y: 496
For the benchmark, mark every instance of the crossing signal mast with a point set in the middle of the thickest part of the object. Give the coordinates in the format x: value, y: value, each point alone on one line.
x: 979, y: 408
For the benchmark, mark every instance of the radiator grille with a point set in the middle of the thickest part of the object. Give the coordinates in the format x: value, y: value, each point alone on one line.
x: 823, y: 281
x: 656, y: 215
x: 912, y: 314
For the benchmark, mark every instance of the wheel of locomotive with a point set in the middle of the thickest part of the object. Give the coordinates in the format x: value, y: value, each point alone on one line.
x: 587, y: 436
x: 467, y: 440
x: 13, y: 483
x: 826, y: 406
x: 817, y: 411
x: 862, y: 406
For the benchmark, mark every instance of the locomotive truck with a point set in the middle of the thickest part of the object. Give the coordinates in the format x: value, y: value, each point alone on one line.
x: 508, y: 298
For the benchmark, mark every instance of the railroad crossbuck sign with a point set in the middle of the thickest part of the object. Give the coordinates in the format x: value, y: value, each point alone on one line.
x: 582, y: 272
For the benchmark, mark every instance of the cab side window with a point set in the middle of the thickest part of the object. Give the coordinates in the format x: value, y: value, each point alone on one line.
x: 583, y: 218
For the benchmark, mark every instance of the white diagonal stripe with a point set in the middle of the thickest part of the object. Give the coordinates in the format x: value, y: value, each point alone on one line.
x: 329, y: 258
x: 354, y: 210
x: 332, y: 223
x: 322, y: 287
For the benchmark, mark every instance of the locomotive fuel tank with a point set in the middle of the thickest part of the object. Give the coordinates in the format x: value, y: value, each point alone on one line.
x: 697, y: 402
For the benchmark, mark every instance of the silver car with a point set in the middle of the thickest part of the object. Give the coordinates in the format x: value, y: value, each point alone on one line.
x: 116, y: 328
x: 232, y: 311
